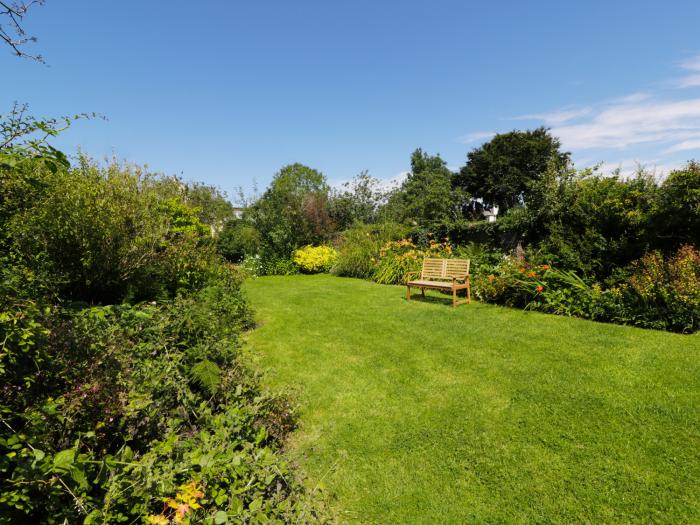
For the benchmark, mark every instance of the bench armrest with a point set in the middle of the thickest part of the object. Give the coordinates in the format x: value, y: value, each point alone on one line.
x: 408, y: 274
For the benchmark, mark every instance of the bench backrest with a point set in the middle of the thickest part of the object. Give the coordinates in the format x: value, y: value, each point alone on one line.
x: 445, y: 268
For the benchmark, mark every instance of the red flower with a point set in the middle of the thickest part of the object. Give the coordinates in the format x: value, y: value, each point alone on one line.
x: 539, y: 288
x: 546, y: 267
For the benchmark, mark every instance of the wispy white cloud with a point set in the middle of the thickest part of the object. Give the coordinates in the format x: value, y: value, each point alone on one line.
x: 662, y: 124
x: 557, y: 117
x: 689, y: 81
x: 622, y: 125
x: 633, y: 98
x: 693, y: 64
x: 692, y: 80
x: 686, y: 145
x: 640, y: 118
x: 476, y: 136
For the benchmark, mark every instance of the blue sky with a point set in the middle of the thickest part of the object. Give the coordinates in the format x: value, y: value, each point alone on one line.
x: 226, y: 92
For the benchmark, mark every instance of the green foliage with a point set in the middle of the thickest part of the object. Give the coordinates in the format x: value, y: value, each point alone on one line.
x: 398, y: 258
x: 659, y: 292
x: 588, y: 222
x: 359, y: 247
x: 213, y: 208
x: 108, y: 411
x: 208, y: 374
x: 315, y: 259
x: 292, y: 212
x: 237, y: 240
x: 133, y: 402
x: 24, y: 139
x: 482, y: 256
x: 501, y: 171
x: 102, y: 234
x: 653, y: 292
x: 359, y: 202
x: 274, y: 265
x: 426, y: 195
x: 677, y: 220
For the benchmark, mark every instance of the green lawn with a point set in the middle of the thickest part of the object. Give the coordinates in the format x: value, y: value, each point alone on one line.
x: 414, y: 412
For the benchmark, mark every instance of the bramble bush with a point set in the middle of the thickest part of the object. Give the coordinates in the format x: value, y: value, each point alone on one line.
x: 315, y: 259
x: 122, y: 395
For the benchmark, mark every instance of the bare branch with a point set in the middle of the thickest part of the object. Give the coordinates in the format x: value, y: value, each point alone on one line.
x: 12, y: 32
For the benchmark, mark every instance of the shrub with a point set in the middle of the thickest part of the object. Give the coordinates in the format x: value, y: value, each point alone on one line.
x: 658, y: 292
x: 315, y: 259
x: 359, y: 247
x: 397, y: 258
x: 653, y: 292
x: 277, y: 265
x: 238, y: 240
x: 101, y: 234
x: 530, y: 283
x: 112, y: 414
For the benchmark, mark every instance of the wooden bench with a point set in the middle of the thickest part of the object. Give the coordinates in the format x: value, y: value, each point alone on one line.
x: 442, y: 274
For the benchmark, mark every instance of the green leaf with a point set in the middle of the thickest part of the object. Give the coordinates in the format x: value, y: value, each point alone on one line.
x: 63, y: 460
x: 79, y: 477
x: 220, y: 517
x: 38, y: 456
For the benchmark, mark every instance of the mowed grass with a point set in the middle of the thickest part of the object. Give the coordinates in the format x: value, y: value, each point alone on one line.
x: 412, y: 412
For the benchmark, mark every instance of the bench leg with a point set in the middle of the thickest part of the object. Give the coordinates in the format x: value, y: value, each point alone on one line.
x: 422, y: 292
x: 454, y: 297
x: 408, y: 293
x: 469, y: 293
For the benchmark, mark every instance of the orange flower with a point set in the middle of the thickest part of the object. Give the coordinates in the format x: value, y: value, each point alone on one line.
x: 531, y: 274
x: 491, y: 278
x: 539, y: 288
x: 546, y: 267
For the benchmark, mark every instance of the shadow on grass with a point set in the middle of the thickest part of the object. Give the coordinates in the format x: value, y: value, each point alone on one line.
x: 444, y: 298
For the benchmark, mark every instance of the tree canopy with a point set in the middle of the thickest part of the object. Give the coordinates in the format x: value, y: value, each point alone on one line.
x: 426, y: 194
x: 293, y: 211
x: 501, y: 171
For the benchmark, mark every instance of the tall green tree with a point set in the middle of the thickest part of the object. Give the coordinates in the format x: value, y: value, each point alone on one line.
x: 293, y: 211
x: 501, y: 171
x: 426, y: 195
x: 358, y: 201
